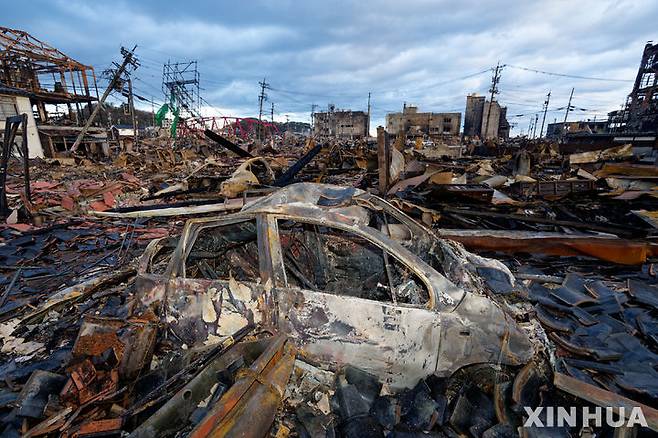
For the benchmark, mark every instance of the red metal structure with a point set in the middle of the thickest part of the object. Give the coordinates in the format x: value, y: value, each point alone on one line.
x: 243, y: 127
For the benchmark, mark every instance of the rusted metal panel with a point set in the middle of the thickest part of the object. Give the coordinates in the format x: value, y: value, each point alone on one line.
x: 98, y: 334
x: 249, y: 406
x: 99, y: 427
x: 627, y: 252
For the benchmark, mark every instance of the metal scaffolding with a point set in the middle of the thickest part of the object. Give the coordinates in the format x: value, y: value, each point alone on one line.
x: 180, y: 84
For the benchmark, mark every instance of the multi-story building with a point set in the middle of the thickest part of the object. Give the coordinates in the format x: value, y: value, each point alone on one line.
x: 481, y: 116
x: 345, y: 124
x: 413, y: 124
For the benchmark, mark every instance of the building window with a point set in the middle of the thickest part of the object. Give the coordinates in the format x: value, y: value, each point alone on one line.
x: 7, y: 107
x: 647, y: 80
x: 650, y: 60
x: 447, y: 120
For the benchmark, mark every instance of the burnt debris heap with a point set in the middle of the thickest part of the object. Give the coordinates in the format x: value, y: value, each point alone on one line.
x: 176, y: 274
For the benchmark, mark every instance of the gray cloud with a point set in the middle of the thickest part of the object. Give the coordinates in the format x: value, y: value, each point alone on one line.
x: 336, y: 52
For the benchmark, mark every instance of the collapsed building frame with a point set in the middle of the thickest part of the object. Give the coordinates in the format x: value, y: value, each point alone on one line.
x: 27, y: 62
x: 46, y: 76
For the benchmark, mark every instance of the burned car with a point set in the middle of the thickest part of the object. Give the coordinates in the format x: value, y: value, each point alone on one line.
x: 346, y: 275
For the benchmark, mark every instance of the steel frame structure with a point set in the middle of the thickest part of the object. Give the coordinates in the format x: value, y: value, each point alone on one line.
x: 51, y: 76
x: 180, y: 85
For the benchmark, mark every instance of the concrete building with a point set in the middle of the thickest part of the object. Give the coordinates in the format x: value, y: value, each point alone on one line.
x: 473, y: 115
x: 481, y: 115
x: 343, y: 124
x: 414, y: 124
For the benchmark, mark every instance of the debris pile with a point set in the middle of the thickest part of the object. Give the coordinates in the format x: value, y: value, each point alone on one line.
x: 223, y: 283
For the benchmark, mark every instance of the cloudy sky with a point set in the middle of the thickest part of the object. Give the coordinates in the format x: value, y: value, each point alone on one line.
x: 422, y: 52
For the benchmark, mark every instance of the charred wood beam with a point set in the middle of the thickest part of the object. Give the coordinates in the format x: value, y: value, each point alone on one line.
x: 293, y: 170
x: 383, y: 159
x: 11, y: 128
x: 227, y: 144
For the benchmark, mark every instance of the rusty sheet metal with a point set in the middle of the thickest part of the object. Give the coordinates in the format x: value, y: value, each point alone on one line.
x: 99, y: 427
x: 626, y: 252
x: 98, y: 334
x: 249, y: 407
x: 604, y: 398
x: 131, y: 341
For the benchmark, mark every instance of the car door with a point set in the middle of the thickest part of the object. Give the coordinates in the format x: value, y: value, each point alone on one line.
x: 214, y: 286
x: 344, y: 299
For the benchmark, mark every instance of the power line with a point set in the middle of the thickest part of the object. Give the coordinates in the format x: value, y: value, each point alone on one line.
x: 565, y: 75
x: 448, y: 81
x: 212, y: 106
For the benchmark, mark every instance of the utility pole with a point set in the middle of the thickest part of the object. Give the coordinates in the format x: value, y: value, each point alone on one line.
x: 153, y: 111
x: 548, y: 99
x: 262, y: 97
x: 272, y: 113
x: 534, y: 126
x: 128, y: 58
x: 131, y: 102
x: 368, y: 122
x: 313, y: 107
x: 495, y: 79
x: 566, y: 113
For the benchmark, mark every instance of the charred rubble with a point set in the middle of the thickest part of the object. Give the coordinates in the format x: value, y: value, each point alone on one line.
x: 214, y: 284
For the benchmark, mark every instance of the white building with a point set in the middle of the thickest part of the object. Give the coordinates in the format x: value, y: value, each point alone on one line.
x: 12, y: 103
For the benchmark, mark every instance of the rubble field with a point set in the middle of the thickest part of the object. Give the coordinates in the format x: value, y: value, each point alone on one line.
x: 218, y: 286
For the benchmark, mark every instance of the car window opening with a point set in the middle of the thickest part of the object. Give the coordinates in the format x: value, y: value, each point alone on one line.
x: 334, y: 261
x: 223, y: 251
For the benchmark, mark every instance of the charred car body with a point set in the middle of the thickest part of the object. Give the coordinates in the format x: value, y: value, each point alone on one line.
x: 350, y: 278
